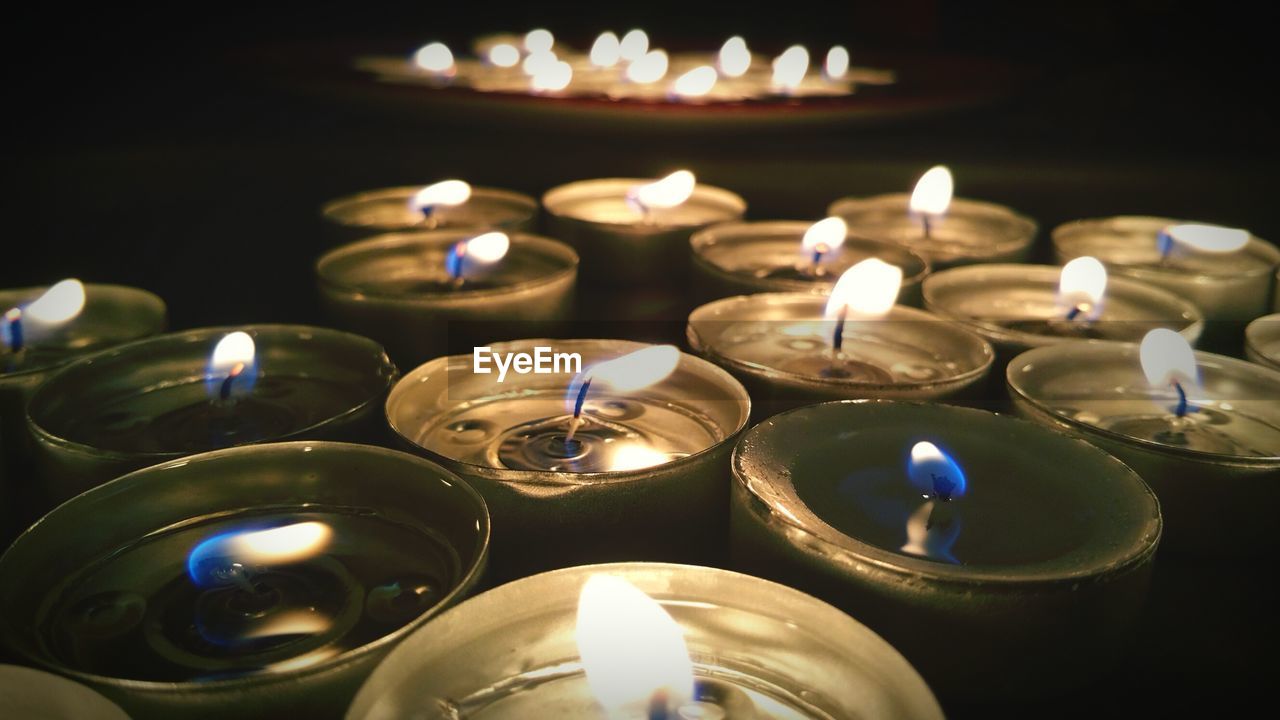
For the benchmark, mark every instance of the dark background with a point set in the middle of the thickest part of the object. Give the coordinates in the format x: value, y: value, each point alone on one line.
x: 155, y: 146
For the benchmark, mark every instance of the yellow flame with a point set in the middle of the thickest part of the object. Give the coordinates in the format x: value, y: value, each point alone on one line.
x: 735, y: 58
x: 60, y: 303
x: 633, y: 45
x: 1209, y: 238
x: 635, y: 456
x: 638, y: 369
x: 538, y: 62
x: 695, y: 83
x: 868, y: 289
x: 933, y: 191
x: 504, y: 55
x: 606, y: 50
x: 285, y: 544
x: 489, y: 247
x: 540, y: 40
x: 837, y: 62
x: 825, y: 236
x: 1167, y: 358
x: 649, y: 68
x: 790, y: 67
x: 553, y: 77
x: 668, y: 192
x: 1082, y: 285
x: 233, y: 349
x: 444, y: 193
x: 434, y: 57
x: 631, y: 648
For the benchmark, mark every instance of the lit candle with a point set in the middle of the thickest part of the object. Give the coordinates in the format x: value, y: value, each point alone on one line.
x: 946, y: 230
x: 448, y: 204
x: 187, y: 392
x: 644, y: 640
x: 1203, y: 430
x: 623, y: 443
x: 292, y: 566
x: 734, y: 58
x: 958, y: 534
x: 789, y: 68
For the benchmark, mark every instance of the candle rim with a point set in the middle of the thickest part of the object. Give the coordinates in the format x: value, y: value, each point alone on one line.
x: 1253, y: 343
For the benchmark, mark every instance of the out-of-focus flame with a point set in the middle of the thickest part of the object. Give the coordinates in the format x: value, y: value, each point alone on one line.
x: 60, y: 303
x: 934, y: 473
x: 635, y: 456
x: 790, y: 67
x: 488, y: 248
x: 735, y: 58
x: 837, y: 64
x: 1167, y: 359
x: 1204, y: 238
x: 606, y: 51
x: 932, y: 195
x: 446, y: 193
x: 1082, y: 287
x: 637, y: 370
x: 648, y: 68
x: 632, y: 650
x: 540, y: 40
x: 633, y: 45
x: 695, y: 83
x: 233, y: 369
x: 668, y: 192
x: 504, y: 55
x: 539, y: 62
x: 213, y: 561
x: 824, y: 237
x: 553, y: 77
x: 434, y: 57
x: 233, y: 349
x: 868, y: 290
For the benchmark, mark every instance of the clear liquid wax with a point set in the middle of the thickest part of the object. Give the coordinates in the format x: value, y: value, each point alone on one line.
x: 1219, y: 426
x: 136, y: 613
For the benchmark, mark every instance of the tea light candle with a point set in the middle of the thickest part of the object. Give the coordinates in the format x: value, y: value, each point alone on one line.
x: 792, y: 349
x: 1262, y: 341
x: 597, y: 460
x: 961, y: 536
x: 791, y: 256
x: 448, y: 204
x: 948, y: 231
x: 414, y: 292
x: 178, y: 394
x: 1226, y: 273
x: 645, y: 640
x: 30, y: 693
x: 1208, y: 459
x: 255, y: 581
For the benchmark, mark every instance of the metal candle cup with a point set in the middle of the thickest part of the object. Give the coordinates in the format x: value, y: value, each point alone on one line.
x: 510, y: 653
x: 1262, y: 341
x: 148, y: 401
x: 29, y: 693
x: 969, y: 232
x: 114, y: 569
x: 395, y: 289
x: 1210, y: 480
x: 778, y: 346
x: 501, y: 437
x: 751, y: 257
x: 1031, y: 579
x: 386, y: 210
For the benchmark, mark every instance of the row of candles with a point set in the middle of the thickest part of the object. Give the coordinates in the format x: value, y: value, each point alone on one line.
x: 267, y: 576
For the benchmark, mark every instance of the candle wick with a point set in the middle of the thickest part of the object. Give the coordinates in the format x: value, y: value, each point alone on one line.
x: 576, y: 422
x: 942, y: 486
x: 1181, y: 410
x: 818, y: 253
x: 224, y: 392
x: 924, y: 221
x: 1074, y: 312
x: 658, y: 706
x: 1164, y: 241
x: 429, y: 218
x: 16, y: 341
x: 453, y: 262
x: 837, y: 335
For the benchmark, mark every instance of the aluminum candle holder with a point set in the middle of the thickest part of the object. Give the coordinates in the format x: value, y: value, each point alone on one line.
x: 760, y: 651
x: 155, y: 400
x: 751, y: 257
x: 395, y: 289
x: 1262, y: 341
x: 648, y: 477
x: 386, y: 210
x: 969, y: 232
x: 1208, y: 468
x: 251, y: 582
x: 30, y: 693
x: 1022, y: 581
x: 778, y: 346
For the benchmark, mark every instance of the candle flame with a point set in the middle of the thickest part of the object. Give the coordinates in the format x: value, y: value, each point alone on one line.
x: 447, y: 193
x: 552, y: 77
x: 633, y: 45
x: 635, y: 456
x: 211, y: 559
x: 233, y: 349
x: 232, y: 371
x: 837, y: 64
x: 539, y: 40
x: 825, y: 236
x: 668, y: 192
x: 504, y: 55
x: 60, y: 303
x: 649, y: 68
x: 790, y: 67
x: 606, y: 51
x: 1082, y: 287
x: 638, y: 369
x: 934, y: 473
x: 538, y: 62
x: 735, y: 58
x: 488, y: 248
x: 865, y: 291
x: 1206, y: 238
x: 695, y: 83
x: 1167, y: 359
x: 434, y: 57
x: 632, y: 649
x: 932, y: 195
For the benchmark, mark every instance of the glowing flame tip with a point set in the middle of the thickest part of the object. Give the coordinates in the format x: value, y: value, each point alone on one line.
x: 933, y: 191
x: 868, y: 290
